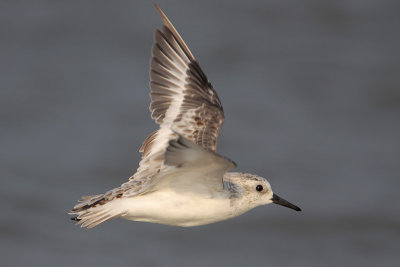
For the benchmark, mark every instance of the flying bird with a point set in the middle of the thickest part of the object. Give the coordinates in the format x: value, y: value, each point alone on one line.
x: 181, y: 180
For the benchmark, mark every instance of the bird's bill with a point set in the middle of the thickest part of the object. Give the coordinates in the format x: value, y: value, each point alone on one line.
x: 280, y: 201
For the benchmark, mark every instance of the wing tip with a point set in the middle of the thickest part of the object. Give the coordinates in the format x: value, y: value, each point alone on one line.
x: 232, y: 162
x: 162, y: 14
x: 170, y: 26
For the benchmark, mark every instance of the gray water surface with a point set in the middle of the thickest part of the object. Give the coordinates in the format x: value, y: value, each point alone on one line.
x: 311, y: 92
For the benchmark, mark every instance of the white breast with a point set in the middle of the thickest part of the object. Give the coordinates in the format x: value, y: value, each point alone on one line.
x: 169, y: 207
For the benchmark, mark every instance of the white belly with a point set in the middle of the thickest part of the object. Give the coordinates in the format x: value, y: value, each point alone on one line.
x: 168, y: 207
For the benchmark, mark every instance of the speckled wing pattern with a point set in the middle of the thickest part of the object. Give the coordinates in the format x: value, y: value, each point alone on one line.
x: 182, y: 98
x: 183, y: 103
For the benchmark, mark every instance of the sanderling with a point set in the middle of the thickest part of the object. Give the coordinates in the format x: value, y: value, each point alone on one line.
x: 181, y: 180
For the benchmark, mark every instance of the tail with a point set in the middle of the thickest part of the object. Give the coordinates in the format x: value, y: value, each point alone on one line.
x: 94, y: 210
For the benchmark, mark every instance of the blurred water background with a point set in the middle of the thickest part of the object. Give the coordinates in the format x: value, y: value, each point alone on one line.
x: 311, y: 92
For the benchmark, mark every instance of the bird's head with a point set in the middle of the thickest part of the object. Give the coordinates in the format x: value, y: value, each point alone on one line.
x: 255, y: 189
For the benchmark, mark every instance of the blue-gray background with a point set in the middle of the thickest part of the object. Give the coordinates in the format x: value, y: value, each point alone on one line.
x: 311, y: 91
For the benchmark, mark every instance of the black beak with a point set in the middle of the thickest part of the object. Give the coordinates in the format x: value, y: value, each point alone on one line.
x: 280, y: 201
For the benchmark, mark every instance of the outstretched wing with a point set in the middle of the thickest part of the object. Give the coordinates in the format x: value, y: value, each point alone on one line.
x: 184, y: 104
x: 182, y: 98
x: 183, y: 101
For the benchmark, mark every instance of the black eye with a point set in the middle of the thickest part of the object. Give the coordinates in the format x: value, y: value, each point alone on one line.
x: 259, y: 188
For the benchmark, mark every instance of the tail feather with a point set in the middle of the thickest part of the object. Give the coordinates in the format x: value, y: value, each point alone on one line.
x: 94, y: 210
x: 86, y: 198
x: 87, y: 202
x: 94, y: 218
